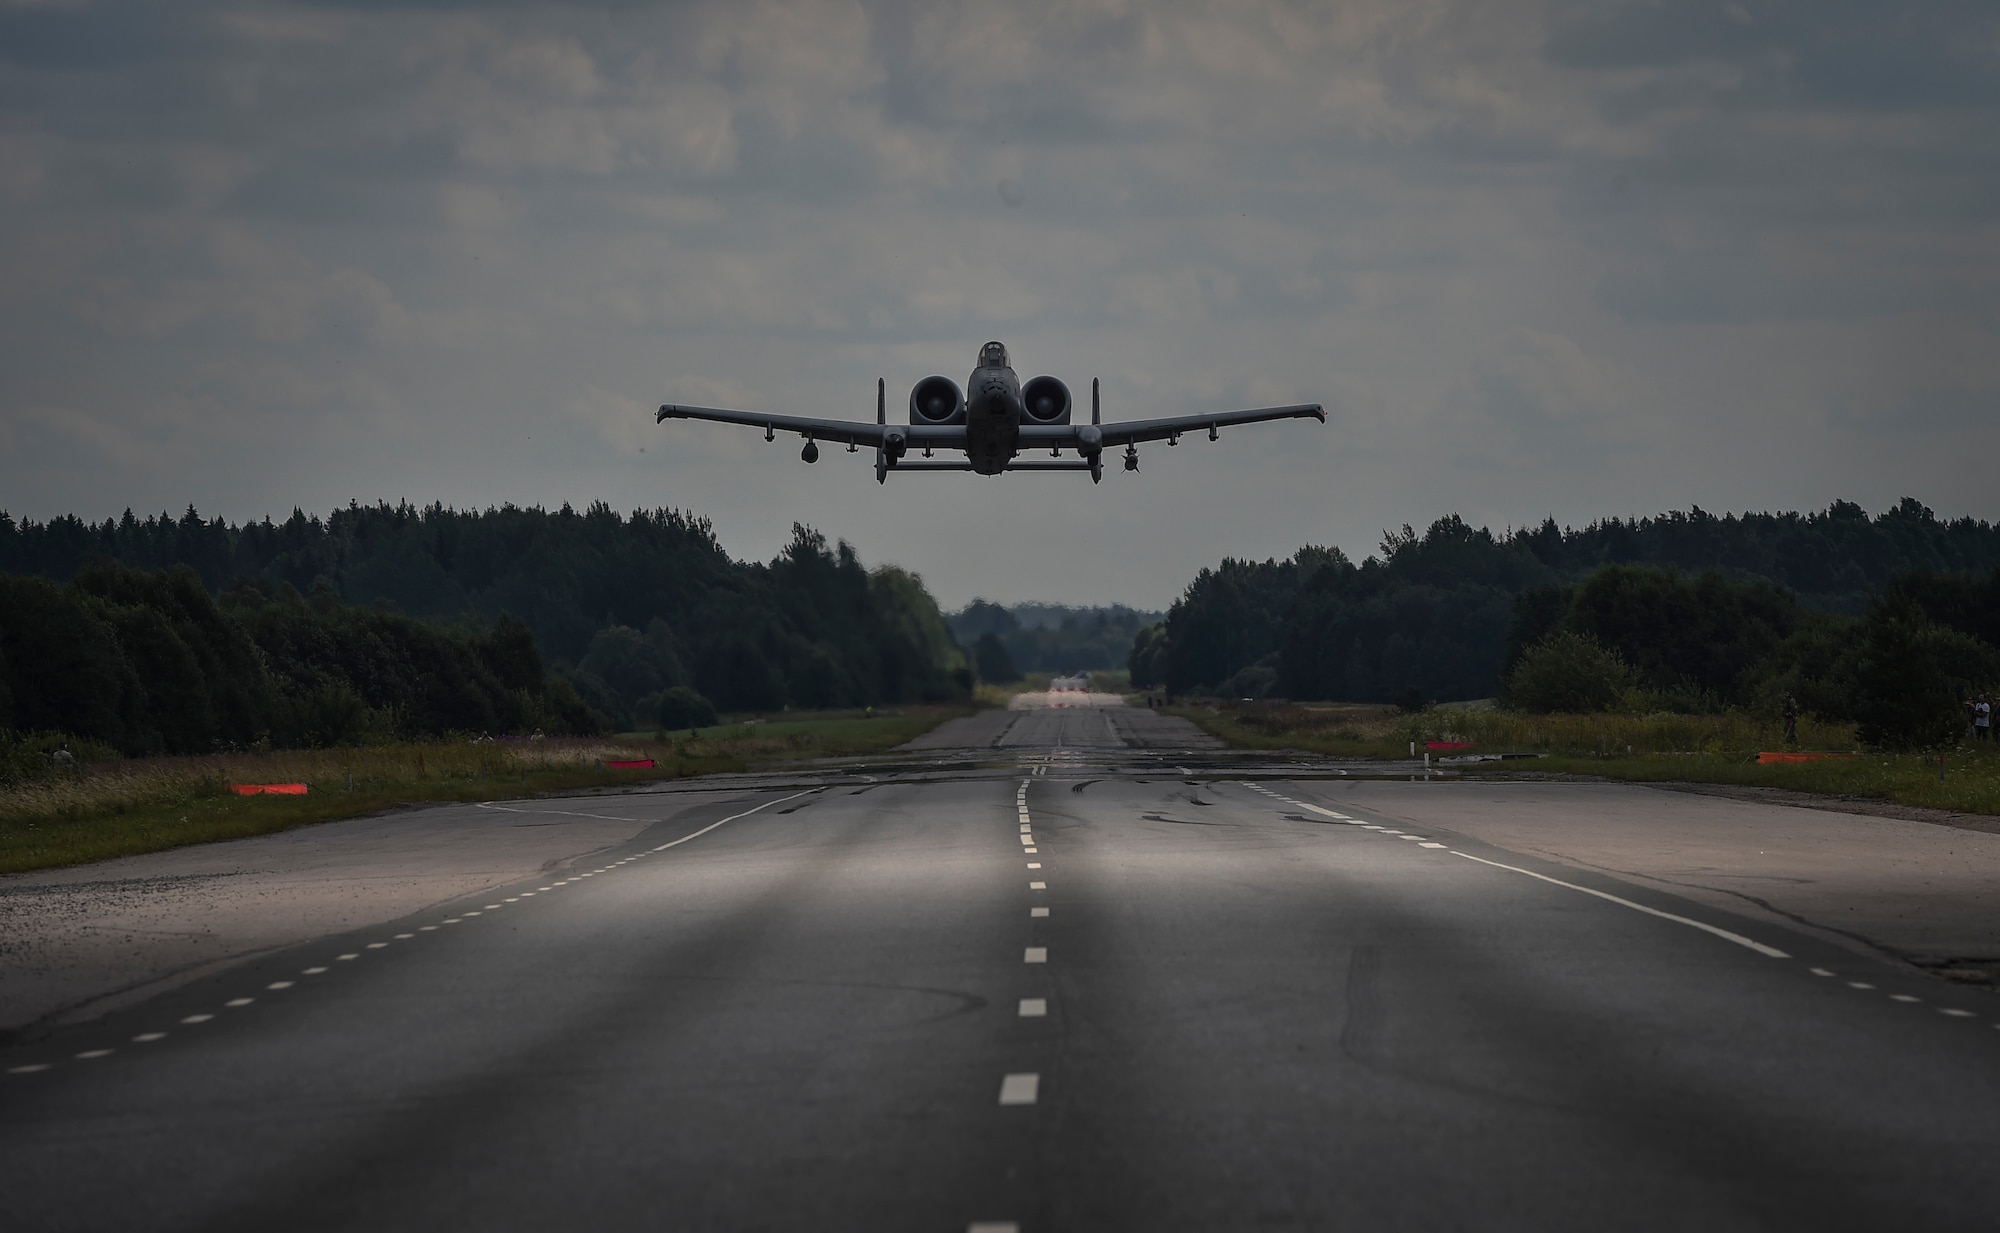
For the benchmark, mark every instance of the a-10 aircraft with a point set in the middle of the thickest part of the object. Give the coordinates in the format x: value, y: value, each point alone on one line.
x: 994, y: 420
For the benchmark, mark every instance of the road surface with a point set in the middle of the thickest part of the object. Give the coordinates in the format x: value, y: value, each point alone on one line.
x: 1115, y: 983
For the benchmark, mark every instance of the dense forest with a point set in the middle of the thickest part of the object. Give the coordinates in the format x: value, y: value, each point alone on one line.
x: 1847, y: 612
x: 1007, y: 642
x: 631, y: 615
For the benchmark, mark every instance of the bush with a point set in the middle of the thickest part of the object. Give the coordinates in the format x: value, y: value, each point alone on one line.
x: 1568, y: 673
x: 682, y: 707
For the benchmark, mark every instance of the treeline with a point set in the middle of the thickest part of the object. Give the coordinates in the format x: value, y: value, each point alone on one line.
x: 151, y: 663
x: 626, y: 610
x: 1695, y: 611
x: 1007, y: 642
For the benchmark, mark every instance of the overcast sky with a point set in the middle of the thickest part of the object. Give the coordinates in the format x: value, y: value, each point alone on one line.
x: 1536, y: 259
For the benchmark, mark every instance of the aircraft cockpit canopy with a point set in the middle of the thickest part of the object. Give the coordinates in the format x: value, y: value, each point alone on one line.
x: 993, y: 355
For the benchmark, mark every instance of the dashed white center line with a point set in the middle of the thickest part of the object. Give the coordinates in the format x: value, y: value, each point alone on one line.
x: 1038, y: 886
x: 1903, y: 997
x: 515, y: 899
x: 1035, y: 954
x: 1859, y: 984
x: 235, y: 1002
x: 1020, y: 1089
x: 404, y: 936
x: 88, y: 1054
x: 147, y: 1038
x: 527, y: 894
x: 1038, y: 911
x: 344, y: 958
x: 1030, y: 851
x: 1034, y: 864
x: 1430, y: 843
x: 1034, y: 1008
x: 279, y: 984
x: 492, y: 907
x: 426, y: 928
x: 197, y: 1018
x: 1027, y: 838
x: 1955, y: 1012
x: 377, y: 945
x: 32, y: 1068
x: 314, y: 971
x: 1819, y: 971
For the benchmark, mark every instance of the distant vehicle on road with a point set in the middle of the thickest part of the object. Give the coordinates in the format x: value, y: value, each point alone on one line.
x: 993, y: 420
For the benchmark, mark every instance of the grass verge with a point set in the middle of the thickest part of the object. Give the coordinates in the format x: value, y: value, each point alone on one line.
x: 1657, y: 748
x: 124, y: 807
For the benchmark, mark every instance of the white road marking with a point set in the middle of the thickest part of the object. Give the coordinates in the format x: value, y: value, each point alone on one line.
x: 1859, y: 984
x: 1034, y: 1008
x: 377, y: 945
x: 516, y: 899
x: 993, y: 1226
x: 1328, y: 813
x: 1026, y: 838
x: 475, y: 914
x: 493, y: 907
x: 32, y: 1068
x: 1038, y: 911
x: 1038, y: 886
x: 235, y: 1002
x: 1417, y: 838
x: 527, y: 895
x: 1035, y: 954
x: 1031, y: 851
x: 314, y: 971
x: 1034, y: 864
x: 279, y: 984
x: 88, y: 1054
x: 1955, y: 1012
x: 1770, y: 952
x: 402, y: 937
x: 1903, y: 997
x: 344, y: 958
x: 1020, y: 1089
x: 197, y: 1018
x: 675, y: 843
x: 1025, y: 828
x: 1428, y: 843
x: 1819, y: 971
x: 543, y: 888
x: 147, y: 1038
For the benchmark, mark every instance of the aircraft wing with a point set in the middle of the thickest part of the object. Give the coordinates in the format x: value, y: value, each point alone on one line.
x: 847, y: 432
x: 1131, y: 432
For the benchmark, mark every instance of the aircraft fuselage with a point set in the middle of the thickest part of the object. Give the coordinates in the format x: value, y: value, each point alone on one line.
x: 993, y: 414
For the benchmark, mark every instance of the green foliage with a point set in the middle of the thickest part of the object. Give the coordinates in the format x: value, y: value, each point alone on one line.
x: 1568, y: 673
x: 1053, y: 638
x: 991, y: 660
x: 1914, y: 676
x: 1148, y: 646
x: 681, y: 707
x: 1447, y: 611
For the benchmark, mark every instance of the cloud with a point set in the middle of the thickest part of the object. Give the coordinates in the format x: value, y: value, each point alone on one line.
x: 1531, y: 254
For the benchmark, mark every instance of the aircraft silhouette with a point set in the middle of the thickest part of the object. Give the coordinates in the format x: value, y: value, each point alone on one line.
x: 993, y: 420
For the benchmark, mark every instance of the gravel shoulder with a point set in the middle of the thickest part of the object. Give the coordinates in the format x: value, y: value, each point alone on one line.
x: 80, y: 941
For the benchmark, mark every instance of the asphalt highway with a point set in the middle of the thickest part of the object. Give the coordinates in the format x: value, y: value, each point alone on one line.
x: 1055, y: 992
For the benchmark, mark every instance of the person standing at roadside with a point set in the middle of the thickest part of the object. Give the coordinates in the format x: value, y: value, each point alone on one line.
x: 1982, y: 718
x: 1791, y: 718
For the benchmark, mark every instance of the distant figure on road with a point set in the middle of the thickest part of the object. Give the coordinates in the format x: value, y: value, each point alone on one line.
x: 1982, y: 718
x: 1791, y: 718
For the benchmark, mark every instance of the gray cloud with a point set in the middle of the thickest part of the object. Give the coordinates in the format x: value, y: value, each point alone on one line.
x: 1536, y: 258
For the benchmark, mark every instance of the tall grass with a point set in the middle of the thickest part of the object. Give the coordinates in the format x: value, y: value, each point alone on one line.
x: 106, y: 807
x: 1663, y: 747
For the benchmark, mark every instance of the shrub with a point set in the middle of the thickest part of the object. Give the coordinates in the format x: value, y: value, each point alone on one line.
x: 1567, y: 672
x: 682, y: 707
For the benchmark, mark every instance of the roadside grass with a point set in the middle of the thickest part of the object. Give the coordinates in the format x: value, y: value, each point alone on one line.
x: 119, y: 807
x: 1655, y: 748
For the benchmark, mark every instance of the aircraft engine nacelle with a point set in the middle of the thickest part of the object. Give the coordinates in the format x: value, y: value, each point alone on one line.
x: 1045, y: 400
x: 937, y: 400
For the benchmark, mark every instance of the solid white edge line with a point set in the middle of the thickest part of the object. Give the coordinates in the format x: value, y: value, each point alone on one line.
x: 731, y: 818
x: 1771, y: 952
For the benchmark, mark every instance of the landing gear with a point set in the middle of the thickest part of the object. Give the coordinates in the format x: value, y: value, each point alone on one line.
x: 1132, y: 457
